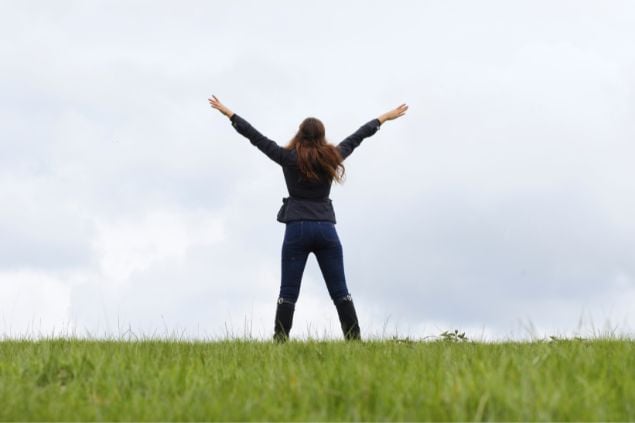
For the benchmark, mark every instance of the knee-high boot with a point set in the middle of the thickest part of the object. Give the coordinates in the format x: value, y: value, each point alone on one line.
x: 284, y: 320
x: 348, y: 318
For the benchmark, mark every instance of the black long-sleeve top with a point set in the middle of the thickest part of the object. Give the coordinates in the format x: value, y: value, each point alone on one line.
x: 308, y: 200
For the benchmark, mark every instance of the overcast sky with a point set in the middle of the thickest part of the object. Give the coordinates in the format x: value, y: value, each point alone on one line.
x: 502, y: 204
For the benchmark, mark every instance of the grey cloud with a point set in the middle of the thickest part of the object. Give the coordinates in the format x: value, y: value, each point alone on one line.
x: 504, y: 194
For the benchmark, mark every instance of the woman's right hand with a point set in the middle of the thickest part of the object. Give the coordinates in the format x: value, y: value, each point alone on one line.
x: 393, y: 114
x: 216, y: 104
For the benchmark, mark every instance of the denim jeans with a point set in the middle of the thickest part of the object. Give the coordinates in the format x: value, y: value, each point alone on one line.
x: 318, y: 237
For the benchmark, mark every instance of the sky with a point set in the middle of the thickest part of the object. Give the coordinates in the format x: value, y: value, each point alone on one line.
x: 500, y: 205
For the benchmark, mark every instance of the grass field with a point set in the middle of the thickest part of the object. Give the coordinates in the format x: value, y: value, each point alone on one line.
x: 313, y: 380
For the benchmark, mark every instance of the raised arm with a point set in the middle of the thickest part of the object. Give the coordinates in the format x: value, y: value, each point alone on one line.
x: 349, y: 144
x: 264, y: 144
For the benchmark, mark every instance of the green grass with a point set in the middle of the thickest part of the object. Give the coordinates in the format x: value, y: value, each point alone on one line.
x: 379, y: 380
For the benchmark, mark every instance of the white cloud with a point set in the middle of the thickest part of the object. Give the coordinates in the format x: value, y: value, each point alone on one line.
x: 128, y: 246
x: 34, y: 304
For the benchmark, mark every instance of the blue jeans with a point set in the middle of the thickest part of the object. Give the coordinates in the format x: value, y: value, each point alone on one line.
x: 318, y: 237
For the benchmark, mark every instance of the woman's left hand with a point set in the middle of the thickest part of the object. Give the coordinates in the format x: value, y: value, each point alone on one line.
x: 216, y: 104
x: 393, y: 114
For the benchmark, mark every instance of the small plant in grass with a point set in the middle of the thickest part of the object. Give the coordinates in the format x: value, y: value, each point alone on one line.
x: 553, y: 338
x: 405, y: 340
x: 453, y: 336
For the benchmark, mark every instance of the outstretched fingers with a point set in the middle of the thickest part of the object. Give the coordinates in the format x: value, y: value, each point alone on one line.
x: 401, y: 110
x: 214, y: 102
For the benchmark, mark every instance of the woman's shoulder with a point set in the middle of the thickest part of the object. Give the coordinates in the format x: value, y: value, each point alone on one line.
x: 291, y: 157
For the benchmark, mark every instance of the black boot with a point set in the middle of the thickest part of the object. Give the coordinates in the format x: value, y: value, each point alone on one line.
x: 284, y: 320
x: 348, y: 318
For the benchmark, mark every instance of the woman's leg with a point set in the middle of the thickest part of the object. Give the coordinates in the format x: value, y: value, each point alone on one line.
x: 330, y: 257
x: 294, y: 257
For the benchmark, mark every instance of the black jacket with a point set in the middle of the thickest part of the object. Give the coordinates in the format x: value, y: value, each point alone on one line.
x: 307, y: 200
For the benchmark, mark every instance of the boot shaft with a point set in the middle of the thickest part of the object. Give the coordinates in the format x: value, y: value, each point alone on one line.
x: 283, y: 320
x: 348, y: 318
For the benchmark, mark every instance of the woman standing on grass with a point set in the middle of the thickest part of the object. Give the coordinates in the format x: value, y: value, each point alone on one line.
x: 310, y: 164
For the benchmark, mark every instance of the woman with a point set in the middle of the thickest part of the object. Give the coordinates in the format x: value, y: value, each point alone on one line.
x: 310, y: 165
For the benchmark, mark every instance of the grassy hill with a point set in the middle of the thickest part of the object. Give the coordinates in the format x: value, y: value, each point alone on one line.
x: 70, y: 379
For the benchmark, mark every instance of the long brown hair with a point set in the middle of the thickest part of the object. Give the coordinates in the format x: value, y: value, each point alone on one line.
x: 317, y: 159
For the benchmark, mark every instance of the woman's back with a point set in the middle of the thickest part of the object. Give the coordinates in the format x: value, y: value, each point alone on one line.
x: 303, y: 188
x: 308, y: 198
